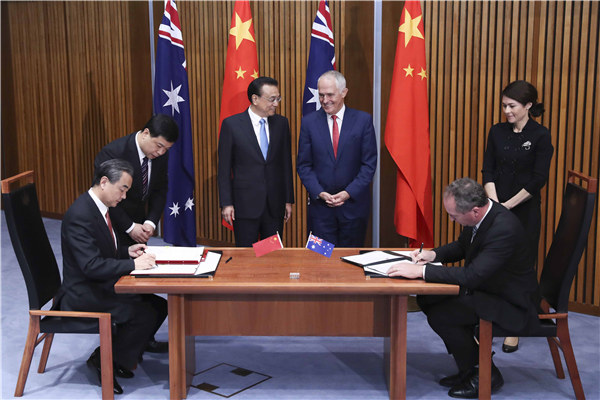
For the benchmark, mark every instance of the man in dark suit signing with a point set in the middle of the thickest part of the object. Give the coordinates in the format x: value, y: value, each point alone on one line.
x: 256, y: 191
x: 497, y: 283
x: 337, y: 157
x: 93, y: 261
x: 136, y: 217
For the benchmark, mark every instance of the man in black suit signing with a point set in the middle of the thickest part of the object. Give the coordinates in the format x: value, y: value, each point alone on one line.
x: 93, y: 261
x: 136, y: 217
x: 256, y: 190
x: 497, y: 283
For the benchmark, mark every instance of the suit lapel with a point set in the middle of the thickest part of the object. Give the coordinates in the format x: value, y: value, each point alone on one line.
x: 101, y: 225
x: 481, y: 232
x: 346, y: 131
x: 249, y: 135
x: 325, y: 136
x: 274, y: 138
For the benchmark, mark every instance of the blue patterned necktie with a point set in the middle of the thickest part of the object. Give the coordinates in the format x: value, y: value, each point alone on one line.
x: 264, y: 142
x: 473, y: 233
x: 144, y: 177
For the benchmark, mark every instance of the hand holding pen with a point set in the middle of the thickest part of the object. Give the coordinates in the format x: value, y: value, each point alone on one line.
x: 422, y: 257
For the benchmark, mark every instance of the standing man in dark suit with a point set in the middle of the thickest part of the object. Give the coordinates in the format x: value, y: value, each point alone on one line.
x: 256, y: 191
x: 337, y: 157
x: 136, y: 217
x: 497, y: 283
x: 93, y: 261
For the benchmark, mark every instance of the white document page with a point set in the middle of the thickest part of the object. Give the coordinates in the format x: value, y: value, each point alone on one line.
x: 374, y: 256
x: 176, y: 253
x: 210, y: 264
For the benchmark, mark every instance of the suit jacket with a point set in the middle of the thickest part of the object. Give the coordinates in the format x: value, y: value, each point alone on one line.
x: 91, y: 264
x: 134, y: 208
x: 351, y: 171
x: 497, y: 278
x: 248, y: 181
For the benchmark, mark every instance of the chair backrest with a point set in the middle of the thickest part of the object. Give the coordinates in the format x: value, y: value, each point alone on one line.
x: 30, y: 241
x: 569, y: 241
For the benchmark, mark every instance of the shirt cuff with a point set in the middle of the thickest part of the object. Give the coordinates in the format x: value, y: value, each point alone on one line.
x: 424, y: 266
x: 130, y: 228
x: 150, y: 223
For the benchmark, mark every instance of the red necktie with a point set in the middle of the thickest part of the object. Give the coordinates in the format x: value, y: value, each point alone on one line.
x: 335, y: 135
x: 110, y: 228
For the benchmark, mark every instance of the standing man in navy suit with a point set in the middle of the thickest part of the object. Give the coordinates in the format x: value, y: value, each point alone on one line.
x: 136, y: 217
x: 256, y: 190
x: 337, y: 157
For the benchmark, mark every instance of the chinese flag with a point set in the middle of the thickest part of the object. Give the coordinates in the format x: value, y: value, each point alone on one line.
x: 267, y: 245
x: 407, y: 131
x: 241, y: 66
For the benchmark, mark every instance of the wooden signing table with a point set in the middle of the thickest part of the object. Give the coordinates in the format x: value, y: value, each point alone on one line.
x: 252, y: 296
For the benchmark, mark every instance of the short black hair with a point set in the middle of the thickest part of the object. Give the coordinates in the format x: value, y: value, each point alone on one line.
x: 255, y: 87
x: 112, y: 169
x: 524, y: 92
x: 467, y: 194
x: 163, y: 125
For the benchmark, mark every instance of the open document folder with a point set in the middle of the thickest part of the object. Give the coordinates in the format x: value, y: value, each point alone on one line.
x: 178, y: 262
x: 378, y: 262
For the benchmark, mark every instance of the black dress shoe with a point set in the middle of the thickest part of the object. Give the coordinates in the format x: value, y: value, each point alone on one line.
x: 469, y: 387
x: 94, y: 364
x: 509, y: 348
x: 451, y: 380
x: 122, y: 372
x: 157, y: 347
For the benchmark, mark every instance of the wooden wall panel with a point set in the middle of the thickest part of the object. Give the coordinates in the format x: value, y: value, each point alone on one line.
x: 72, y: 82
x: 474, y: 50
x: 76, y: 84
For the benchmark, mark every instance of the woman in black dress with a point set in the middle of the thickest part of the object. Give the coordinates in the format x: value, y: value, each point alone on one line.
x: 516, y: 164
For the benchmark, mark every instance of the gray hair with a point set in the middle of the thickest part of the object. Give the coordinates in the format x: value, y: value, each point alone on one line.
x: 467, y: 194
x: 113, y: 170
x: 340, y: 81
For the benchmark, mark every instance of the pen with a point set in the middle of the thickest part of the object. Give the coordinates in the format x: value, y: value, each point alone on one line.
x: 229, y: 259
x: 420, y: 251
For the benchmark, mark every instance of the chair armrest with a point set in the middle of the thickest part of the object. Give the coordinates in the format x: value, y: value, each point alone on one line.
x: 70, y: 314
x: 553, y: 316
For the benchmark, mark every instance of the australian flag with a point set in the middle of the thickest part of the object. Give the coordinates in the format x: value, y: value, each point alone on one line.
x: 319, y: 245
x: 171, y: 97
x: 321, y: 57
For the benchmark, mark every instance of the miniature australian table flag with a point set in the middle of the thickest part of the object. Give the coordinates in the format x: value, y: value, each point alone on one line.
x: 267, y: 245
x: 319, y: 245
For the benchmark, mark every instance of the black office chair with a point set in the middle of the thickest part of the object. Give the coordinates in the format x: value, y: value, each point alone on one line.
x: 560, y: 266
x: 42, y: 278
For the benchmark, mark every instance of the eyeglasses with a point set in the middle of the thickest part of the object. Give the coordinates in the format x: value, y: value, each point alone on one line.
x: 273, y: 99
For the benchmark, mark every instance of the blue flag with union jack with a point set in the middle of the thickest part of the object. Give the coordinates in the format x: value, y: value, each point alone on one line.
x: 171, y: 97
x: 321, y: 57
x: 319, y: 245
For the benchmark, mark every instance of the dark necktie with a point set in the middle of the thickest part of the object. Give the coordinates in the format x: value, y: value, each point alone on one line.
x: 473, y: 233
x: 335, y: 135
x: 110, y: 228
x: 144, y: 177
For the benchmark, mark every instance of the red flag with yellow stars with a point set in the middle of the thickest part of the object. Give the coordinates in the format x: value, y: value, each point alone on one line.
x: 407, y: 131
x: 241, y: 66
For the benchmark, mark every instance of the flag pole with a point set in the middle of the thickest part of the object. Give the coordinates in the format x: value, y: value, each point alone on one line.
x: 152, y: 60
x: 377, y: 32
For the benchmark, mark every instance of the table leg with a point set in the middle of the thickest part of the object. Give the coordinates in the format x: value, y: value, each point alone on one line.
x: 399, y: 309
x: 177, y: 362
